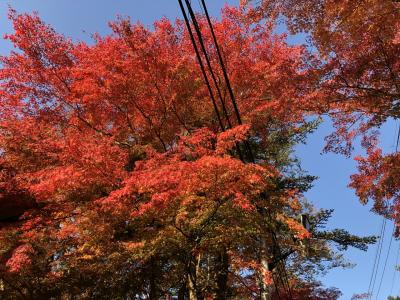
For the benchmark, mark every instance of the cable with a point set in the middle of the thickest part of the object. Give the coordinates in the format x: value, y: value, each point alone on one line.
x: 398, y: 249
x: 204, y: 51
x: 202, y: 46
x: 201, y: 64
x: 281, y: 267
x: 380, y: 245
x: 226, y: 77
x: 222, y: 64
x: 395, y: 271
x: 376, y: 260
x: 386, y: 260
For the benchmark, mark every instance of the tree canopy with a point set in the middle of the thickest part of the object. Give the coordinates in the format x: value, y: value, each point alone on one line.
x: 120, y: 179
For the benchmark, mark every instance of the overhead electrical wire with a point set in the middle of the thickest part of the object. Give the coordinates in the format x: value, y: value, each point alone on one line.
x: 226, y: 77
x: 386, y: 260
x: 376, y: 260
x: 398, y: 248
x: 200, y: 61
x: 207, y: 58
x: 395, y: 270
x: 379, y: 249
x: 394, y: 228
x: 224, y: 72
x: 280, y: 267
x: 208, y: 63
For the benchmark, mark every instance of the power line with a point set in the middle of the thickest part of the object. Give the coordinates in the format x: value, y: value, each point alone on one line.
x: 208, y: 63
x: 394, y: 269
x: 202, y: 46
x: 280, y: 267
x: 386, y: 260
x: 380, y: 245
x: 226, y: 77
x: 398, y: 249
x: 201, y: 64
x: 376, y: 260
x: 227, y: 82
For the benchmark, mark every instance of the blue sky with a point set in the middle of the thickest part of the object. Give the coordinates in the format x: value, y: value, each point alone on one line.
x: 79, y: 19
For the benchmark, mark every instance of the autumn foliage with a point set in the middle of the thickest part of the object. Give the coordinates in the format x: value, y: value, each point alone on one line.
x: 358, y: 45
x: 137, y: 190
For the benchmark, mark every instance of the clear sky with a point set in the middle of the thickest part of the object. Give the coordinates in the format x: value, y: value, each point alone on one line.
x: 79, y: 19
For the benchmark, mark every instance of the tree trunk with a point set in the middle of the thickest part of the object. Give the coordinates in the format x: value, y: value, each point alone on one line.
x: 182, y: 292
x: 193, y: 271
x: 152, y: 282
x: 222, y: 276
x: 192, y: 289
x: 265, y: 289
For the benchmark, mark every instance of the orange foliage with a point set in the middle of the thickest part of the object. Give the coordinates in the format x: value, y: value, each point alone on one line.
x: 119, y: 143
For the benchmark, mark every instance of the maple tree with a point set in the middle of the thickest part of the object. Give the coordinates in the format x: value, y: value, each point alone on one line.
x: 359, y: 79
x: 130, y: 189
